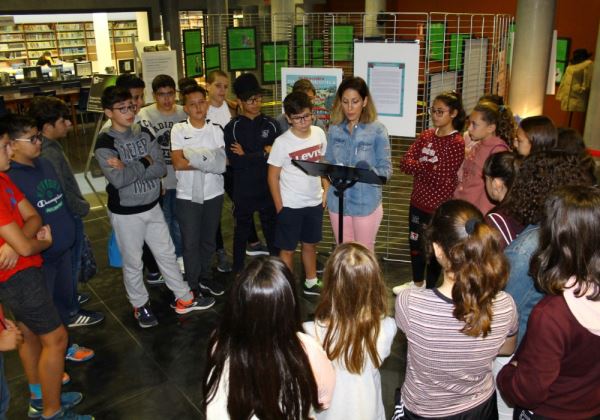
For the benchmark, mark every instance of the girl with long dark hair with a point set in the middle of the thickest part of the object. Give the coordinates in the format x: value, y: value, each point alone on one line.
x: 260, y: 365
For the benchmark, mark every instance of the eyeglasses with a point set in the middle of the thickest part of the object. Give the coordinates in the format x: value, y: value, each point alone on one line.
x: 253, y: 100
x: 438, y: 112
x: 301, y: 118
x: 165, y: 94
x: 126, y: 109
x: 33, y: 139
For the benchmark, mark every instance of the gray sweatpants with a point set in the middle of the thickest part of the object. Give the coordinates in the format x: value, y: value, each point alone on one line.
x: 131, y: 230
x: 199, y: 224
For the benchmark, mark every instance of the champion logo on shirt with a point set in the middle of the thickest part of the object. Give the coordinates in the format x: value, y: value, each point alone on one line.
x: 265, y: 133
x: 312, y: 154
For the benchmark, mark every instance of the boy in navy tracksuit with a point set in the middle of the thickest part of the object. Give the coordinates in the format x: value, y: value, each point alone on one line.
x: 248, y: 140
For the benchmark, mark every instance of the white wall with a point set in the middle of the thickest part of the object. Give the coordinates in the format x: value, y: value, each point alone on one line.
x: 70, y: 17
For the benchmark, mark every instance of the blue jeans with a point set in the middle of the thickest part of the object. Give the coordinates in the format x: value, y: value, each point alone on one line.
x: 4, y: 393
x: 76, y: 250
x: 168, y: 208
x: 521, y: 286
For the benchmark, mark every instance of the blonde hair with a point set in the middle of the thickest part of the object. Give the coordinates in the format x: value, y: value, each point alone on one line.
x: 368, y: 114
x: 353, y: 303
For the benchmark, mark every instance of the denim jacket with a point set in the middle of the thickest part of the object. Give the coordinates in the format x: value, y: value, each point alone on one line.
x: 368, y: 143
x: 521, y: 286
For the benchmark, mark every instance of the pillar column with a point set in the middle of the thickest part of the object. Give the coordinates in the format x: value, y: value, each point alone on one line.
x: 172, y: 32
x: 103, y: 51
x: 372, y: 9
x: 143, y: 29
x: 592, y: 118
x: 533, y: 41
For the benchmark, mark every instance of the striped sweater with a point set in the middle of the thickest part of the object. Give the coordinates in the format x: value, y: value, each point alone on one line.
x: 448, y: 372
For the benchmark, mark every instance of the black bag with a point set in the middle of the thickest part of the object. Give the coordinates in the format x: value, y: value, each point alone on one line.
x: 88, y: 268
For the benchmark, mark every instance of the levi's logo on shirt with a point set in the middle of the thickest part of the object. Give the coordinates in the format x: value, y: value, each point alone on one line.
x: 312, y: 154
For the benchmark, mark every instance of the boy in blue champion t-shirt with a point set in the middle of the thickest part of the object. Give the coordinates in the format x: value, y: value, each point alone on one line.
x: 38, y: 180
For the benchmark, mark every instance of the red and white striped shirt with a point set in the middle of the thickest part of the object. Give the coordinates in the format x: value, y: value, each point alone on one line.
x: 448, y: 372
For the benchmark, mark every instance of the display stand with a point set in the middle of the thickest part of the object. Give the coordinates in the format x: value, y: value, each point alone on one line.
x: 341, y: 178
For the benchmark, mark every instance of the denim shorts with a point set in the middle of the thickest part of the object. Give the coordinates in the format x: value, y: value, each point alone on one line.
x: 304, y: 224
x: 28, y: 298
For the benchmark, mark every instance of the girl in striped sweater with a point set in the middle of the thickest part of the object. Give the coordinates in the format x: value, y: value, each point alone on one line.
x: 455, y: 331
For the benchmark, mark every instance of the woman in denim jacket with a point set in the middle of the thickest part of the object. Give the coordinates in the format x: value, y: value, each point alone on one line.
x: 356, y: 138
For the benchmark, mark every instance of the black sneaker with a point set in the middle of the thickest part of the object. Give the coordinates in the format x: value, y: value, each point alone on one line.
x: 82, y: 298
x: 154, y: 278
x: 314, y: 290
x: 212, y: 286
x: 145, y: 317
x: 257, y: 249
x: 198, y: 303
x: 85, y: 318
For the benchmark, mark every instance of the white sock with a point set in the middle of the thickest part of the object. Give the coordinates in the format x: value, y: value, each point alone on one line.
x: 310, y: 282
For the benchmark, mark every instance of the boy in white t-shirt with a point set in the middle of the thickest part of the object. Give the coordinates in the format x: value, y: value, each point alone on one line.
x: 198, y: 155
x: 298, y: 197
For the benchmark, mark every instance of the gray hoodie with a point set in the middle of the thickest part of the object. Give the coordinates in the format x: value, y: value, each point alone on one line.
x: 136, y: 187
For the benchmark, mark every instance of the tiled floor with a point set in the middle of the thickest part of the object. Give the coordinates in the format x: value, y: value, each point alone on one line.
x: 156, y: 373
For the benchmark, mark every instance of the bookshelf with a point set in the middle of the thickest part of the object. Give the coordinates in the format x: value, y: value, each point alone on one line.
x: 25, y: 43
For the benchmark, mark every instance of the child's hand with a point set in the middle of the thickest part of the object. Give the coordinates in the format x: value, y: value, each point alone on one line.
x: 268, y: 149
x: 11, y: 337
x: 8, y: 257
x: 237, y: 149
x: 44, y: 234
x: 115, y: 162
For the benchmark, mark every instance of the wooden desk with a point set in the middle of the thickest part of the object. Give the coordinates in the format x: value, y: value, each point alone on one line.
x: 18, y: 103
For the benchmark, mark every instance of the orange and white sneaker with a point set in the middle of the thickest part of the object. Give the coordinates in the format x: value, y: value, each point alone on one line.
x: 197, y: 303
x: 77, y: 353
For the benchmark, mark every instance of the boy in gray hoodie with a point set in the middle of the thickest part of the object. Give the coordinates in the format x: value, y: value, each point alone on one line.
x: 132, y: 162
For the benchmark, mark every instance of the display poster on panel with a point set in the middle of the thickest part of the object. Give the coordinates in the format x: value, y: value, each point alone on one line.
x: 391, y: 71
x: 325, y: 81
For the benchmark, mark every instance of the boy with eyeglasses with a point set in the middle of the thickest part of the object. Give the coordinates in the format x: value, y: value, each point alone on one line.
x: 304, y: 86
x: 159, y: 118
x: 248, y: 140
x: 52, y: 118
x: 298, y: 197
x: 36, y: 290
x: 132, y: 162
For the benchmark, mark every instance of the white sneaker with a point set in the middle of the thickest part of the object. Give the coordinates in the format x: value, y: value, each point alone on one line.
x: 410, y: 284
x: 181, y: 266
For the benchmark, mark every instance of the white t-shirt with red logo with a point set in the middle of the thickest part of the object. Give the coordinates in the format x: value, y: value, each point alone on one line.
x: 298, y: 189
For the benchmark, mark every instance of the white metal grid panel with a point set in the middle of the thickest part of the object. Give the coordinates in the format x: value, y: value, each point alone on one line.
x: 445, y: 70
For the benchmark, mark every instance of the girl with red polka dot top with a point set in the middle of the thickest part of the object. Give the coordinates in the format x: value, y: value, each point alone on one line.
x: 433, y: 160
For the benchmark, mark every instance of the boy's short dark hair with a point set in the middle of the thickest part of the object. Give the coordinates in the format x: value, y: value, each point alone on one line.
x: 113, y: 95
x: 296, y: 102
x: 304, y: 85
x: 188, y: 90
x: 4, y: 121
x: 163, y: 81
x: 48, y: 109
x: 18, y: 125
x: 185, y: 82
x: 130, y: 81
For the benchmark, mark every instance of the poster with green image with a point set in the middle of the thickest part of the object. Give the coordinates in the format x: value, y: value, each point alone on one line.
x: 212, y: 57
x: 436, y: 41
x: 275, y: 55
x: 343, y: 42
x: 192, y: 52
x: 241, y: 48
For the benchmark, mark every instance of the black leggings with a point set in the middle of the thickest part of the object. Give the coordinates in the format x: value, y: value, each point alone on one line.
x: 417, y: 220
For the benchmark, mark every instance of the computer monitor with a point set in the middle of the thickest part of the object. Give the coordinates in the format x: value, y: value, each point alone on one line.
x: 83, y: 68
x: 32, y: 72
